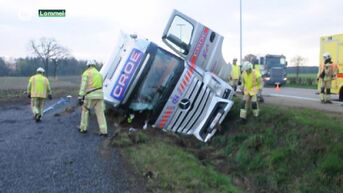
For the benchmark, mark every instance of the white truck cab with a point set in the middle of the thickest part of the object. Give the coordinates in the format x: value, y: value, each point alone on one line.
x: 184, y: 93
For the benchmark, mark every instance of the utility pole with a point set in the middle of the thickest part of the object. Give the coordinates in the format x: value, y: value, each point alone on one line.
x: 240, y: 31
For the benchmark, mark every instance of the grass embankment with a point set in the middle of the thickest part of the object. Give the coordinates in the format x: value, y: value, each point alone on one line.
x: 168, y: 167
x: 13, y: 88
x: 284, y: 150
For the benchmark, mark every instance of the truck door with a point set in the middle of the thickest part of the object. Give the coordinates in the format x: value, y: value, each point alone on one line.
x: 195, y: 43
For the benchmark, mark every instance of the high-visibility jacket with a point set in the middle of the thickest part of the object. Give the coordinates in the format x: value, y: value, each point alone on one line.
x: 91, y: 84
x: 38, y: 86
x: 251, y: 83
x: 332, y: 71
x: 235, y: 72
x: 257, y: 69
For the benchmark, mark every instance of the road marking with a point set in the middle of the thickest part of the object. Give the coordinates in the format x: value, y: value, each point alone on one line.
x: 299, y: 97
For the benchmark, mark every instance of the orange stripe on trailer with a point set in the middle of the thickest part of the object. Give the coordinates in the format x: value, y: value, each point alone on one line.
x: 190, y: 72
x: 187, y: 77
x: 161, y: 125
x: 165, y: 117
x: 184, y: 82
x: 182, y: 86
x: 164, y: 120
x: 340, y: 75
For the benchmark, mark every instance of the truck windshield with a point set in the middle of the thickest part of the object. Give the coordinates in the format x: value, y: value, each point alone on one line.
x: 275, y: 62
x: 159, y: 81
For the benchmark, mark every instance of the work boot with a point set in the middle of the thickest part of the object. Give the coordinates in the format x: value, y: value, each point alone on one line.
x: 243, y: 121
x: 82, y: 131
x: 103, y: 134
x: 329, y: 102
x: 38, y: 117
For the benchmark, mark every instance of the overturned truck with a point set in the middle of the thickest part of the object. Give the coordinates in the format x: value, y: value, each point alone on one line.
x: 182, y: 92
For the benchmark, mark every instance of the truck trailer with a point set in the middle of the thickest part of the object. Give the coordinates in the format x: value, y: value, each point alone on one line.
x: 183, y: 92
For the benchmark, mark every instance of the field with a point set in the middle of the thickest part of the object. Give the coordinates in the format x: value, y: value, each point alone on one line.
x: 302, y: 81
x: 284, y: 150
x: 12, y: 88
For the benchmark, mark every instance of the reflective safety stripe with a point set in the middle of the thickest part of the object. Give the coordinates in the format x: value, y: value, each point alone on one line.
x: 243, y: 114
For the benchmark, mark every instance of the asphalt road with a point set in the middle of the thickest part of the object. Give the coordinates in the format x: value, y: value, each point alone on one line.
x: 303, y: 98
x: 52, y: 157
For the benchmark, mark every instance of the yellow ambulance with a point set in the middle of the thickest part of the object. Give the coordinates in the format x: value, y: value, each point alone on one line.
x: 333, y: 44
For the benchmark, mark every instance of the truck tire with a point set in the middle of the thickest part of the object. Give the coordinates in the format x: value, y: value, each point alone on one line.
x: 341, y: 94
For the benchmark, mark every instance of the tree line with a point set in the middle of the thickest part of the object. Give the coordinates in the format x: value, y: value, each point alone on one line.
x: 47, y: 53
x: 28, y: 66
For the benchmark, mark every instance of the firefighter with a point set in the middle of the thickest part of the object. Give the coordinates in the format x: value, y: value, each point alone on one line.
x: 327, y: 72
x: 91, y: 96
x: 38, y: 89
x: 257, y: 69
x: 235, y: 73
x: 250, y: 86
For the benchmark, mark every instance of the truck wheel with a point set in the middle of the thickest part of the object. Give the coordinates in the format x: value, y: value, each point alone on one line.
x: 341, y: 94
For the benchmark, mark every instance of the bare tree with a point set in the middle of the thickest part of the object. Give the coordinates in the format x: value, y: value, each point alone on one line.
x: 48, y: 50
x: 298, y: 61
x: 250, y: 58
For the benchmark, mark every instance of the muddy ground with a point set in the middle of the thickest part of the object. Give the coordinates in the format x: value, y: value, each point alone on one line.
x: 52, y: 156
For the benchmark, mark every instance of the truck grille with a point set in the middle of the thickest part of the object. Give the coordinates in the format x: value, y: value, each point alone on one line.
x: 276, y: 74
x: 184, y: 120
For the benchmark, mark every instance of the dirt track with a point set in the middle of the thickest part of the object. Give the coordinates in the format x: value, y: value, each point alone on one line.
x: 52, y: 156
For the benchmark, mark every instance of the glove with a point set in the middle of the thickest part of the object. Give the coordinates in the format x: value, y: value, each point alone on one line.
x: 49, y: 97
x: 29, y: 95
x: 80, y: 99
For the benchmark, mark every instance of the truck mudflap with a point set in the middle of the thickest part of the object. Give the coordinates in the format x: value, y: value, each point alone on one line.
x: 198, y: 112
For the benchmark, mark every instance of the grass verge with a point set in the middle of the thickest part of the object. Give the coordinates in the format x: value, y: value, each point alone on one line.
x: 167, y: 167
x: 283, y: 150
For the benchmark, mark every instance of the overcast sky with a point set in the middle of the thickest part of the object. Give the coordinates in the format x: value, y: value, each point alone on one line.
x: 90, y: 28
